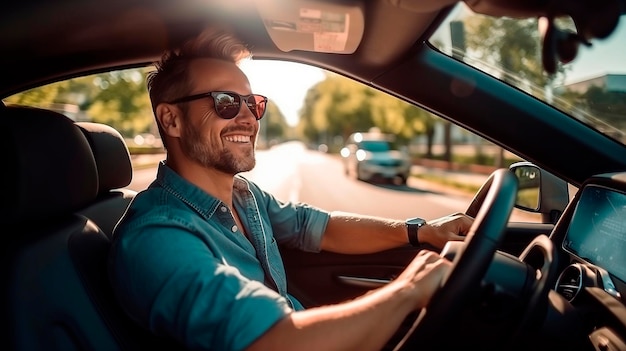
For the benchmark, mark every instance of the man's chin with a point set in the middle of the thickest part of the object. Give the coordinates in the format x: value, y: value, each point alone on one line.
x: 246, y: 166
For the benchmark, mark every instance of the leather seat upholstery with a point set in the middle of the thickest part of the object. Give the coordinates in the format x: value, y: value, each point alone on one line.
x: 42, y: 168
x: 115, y: 172
x: 55, y: 287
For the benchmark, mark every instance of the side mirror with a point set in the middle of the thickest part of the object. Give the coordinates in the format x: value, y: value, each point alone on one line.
x: 529, y: 180
x: 540, y: 191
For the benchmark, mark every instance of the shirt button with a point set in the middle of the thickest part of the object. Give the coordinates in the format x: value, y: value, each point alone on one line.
x: 223, y: 209
x: 234, y: 228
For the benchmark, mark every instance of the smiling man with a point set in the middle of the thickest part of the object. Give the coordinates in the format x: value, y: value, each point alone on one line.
x: 196, y: 256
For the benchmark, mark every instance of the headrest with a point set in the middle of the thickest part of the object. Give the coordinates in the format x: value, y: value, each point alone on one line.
x: 49, y: 165
x: 111, y: 154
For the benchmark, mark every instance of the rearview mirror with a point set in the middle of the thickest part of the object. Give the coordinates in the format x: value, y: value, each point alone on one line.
x: 540, y: 191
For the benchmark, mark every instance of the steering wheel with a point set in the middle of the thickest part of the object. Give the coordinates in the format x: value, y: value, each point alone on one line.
x: 479, y: 198
x: 491, y: 208
x: 539, y: 258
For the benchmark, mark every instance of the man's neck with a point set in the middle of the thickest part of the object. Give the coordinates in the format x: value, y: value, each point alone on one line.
x: 214, y: 182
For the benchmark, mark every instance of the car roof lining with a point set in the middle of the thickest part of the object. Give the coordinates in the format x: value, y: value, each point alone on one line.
x: 135, y: 33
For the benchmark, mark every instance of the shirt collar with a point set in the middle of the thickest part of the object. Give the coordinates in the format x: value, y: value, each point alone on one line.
x: 201, y: 201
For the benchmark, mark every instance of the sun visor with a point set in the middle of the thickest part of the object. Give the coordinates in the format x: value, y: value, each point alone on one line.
x: 313, y: 26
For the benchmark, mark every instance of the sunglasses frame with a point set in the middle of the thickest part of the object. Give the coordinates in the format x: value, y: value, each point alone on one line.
x: 215, y: 94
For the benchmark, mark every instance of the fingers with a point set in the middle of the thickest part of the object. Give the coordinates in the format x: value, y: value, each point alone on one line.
x: 426, y: 273
x: 428, y: 255
x: 456, y: 224
x: 425, y: 261
x: 453, y: 227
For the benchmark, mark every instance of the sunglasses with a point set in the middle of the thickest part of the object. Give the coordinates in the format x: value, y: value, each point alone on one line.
x: 228, y: 103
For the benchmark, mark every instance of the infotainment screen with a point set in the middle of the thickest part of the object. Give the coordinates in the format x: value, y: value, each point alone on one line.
x: 597, y: 232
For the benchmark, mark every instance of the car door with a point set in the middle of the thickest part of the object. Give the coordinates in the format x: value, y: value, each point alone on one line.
x: 325, y: 278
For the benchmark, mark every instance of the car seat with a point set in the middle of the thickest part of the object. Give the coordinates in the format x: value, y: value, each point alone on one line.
x: 115, y: 172
x: 55, y: 289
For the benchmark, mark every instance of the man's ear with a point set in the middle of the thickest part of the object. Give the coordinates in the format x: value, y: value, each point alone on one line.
x: 169, y: 116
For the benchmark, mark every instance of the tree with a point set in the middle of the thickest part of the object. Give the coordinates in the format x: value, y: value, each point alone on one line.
x: 274, y: 126
x: 335, y: 106
x: 120, y: 99
x: 508, y: 48
x: 43, y: 96
x: 338, y: 106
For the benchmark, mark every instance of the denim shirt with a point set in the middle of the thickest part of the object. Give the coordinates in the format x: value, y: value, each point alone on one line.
x: 180, y: 267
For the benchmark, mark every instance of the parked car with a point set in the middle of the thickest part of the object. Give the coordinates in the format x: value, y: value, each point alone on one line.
x: 373, y: 156
x: 544, y: 80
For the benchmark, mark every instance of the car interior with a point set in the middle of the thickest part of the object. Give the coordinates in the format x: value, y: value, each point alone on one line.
x: 115, y: 172
x: 67, y: 181
x: 58, y: 287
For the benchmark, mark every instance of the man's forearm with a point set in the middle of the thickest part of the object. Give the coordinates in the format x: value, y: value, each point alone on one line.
x: 365, y: 323
x: 356, y: 234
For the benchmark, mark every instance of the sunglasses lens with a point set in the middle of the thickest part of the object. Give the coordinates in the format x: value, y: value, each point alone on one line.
x: 256, y: 104
x: 227, y: 105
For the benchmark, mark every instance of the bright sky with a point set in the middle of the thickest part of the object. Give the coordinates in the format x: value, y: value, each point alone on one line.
x: 605, y: 56
x: 285, y: 83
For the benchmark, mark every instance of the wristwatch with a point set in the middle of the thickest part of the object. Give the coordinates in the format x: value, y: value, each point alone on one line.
x: 412, y: 226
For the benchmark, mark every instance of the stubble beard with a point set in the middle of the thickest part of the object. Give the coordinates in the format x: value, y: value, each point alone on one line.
x: 209, y: 155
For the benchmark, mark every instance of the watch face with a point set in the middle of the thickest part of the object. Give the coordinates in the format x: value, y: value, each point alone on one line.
x: 418, y: 221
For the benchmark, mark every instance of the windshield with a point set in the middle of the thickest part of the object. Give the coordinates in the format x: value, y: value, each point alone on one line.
x: 590, y: 88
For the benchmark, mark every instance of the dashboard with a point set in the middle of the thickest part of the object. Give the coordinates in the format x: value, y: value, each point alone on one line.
x: 596, y: 235
x: 597, y: 231
x: 591, y: 235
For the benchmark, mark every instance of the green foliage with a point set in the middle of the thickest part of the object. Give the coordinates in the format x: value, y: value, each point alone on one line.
x: 120, y: 99
x: 476, y: 159
x: 117, y: 98
x: 440, y: 179
x: 528, y: 198
x: 44, y: 96
x: 510, y: 46
x: 274, y: 126
x: 337, y: 107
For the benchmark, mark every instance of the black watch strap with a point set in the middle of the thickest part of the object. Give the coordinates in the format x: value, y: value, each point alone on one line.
x: 412, y: 227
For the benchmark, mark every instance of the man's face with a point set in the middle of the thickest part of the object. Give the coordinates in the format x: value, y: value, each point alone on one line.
x: 223, y: 144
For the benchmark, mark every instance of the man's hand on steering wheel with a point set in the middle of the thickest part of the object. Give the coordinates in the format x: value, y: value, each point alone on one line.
x: 439, y: 231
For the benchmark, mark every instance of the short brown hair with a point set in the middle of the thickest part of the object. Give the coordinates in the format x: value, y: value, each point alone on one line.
x: 170, y: 80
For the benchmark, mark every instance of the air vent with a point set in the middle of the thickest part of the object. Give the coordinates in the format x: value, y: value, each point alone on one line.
x: 570, y: 282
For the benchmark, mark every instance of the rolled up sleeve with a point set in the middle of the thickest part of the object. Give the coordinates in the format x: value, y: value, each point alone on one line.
x: 295, y: 225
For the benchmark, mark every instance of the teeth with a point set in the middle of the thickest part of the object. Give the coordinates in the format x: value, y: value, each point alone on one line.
x: 238, y: 138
